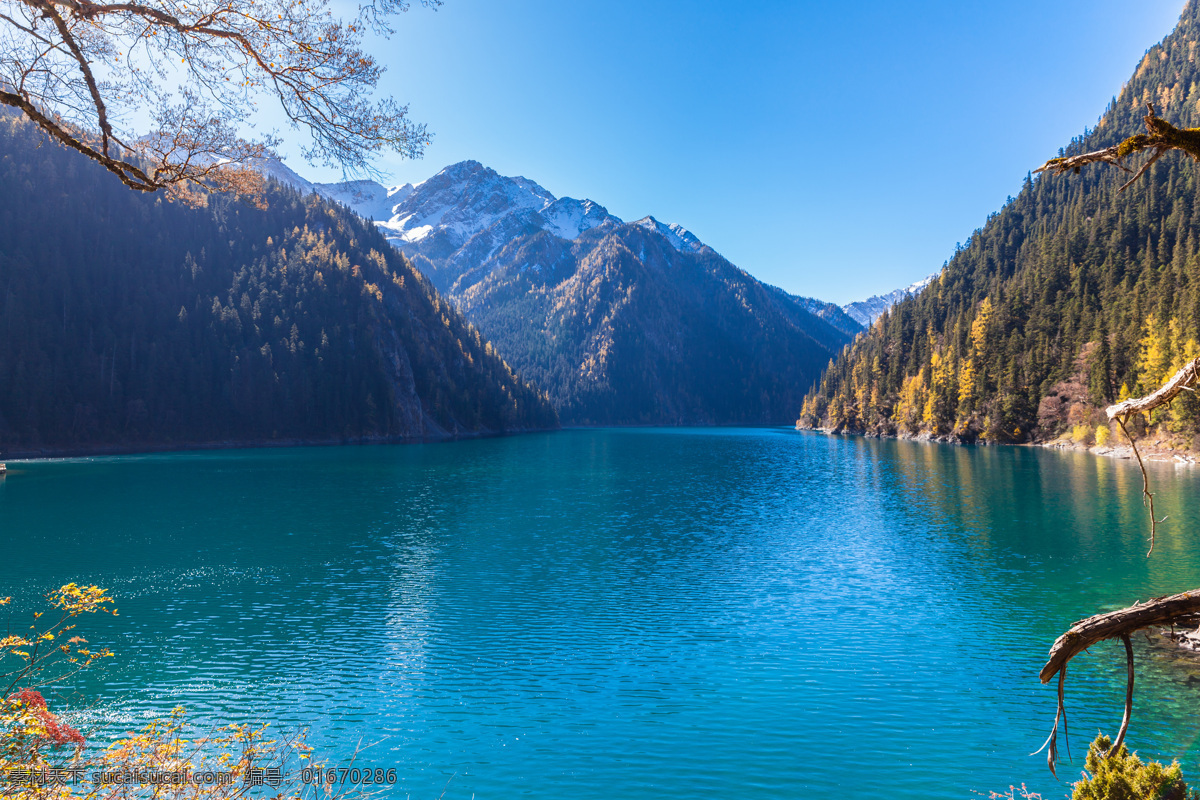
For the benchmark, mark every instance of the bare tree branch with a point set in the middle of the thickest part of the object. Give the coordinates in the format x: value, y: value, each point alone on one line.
x: 1159, y: 397
x: 1147, y: 495
x: 1114, y: 624
x: 1121, y: 412
x: 1128, y: 696
x: 1160, y: 137
x: 1183, y: 608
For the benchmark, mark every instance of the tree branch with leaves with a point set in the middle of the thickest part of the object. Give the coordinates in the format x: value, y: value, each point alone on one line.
x: 94, y: 75
x: 43, y: 757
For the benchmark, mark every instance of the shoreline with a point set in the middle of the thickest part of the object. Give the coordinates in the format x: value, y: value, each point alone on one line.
x: 111, y: 449
x: 1149, y: 451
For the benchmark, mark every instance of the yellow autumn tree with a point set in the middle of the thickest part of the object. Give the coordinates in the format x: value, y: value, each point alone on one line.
x: 941, y: 389
x: 911, y: 403
x: 968, y: 373
x: 1154, y: 354
x: 1184, y: 348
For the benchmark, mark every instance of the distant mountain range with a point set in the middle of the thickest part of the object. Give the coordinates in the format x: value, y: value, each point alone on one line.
x: 407, y: 223
x: 620, y: 323
x: 864, y: 312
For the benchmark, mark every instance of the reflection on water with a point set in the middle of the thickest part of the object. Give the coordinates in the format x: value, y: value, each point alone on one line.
x: 625, y: 613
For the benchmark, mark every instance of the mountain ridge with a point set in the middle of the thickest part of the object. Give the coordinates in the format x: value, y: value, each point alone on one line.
x: 590, y: 307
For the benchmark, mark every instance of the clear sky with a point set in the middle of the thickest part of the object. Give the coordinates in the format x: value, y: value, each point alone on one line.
x: 837, y: 150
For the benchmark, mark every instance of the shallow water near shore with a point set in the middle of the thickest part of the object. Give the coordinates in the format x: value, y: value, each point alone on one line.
x: 625, y: 613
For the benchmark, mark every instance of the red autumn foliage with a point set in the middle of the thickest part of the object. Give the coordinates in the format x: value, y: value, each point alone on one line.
x: 57, y: 731
x: 30, y: 697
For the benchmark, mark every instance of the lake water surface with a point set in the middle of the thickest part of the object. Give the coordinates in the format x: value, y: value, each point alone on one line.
x: 625, y: 613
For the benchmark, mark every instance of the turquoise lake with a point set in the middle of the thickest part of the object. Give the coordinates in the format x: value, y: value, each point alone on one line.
x: 644, y: 613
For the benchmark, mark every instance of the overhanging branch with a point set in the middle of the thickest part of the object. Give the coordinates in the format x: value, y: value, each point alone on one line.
x: 1160, y: 137
x: 1183, y: 608
x: 1114, y: 624
x: 1161, y: 396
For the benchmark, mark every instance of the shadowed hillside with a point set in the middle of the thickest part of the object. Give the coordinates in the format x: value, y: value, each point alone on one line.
x: 130, y: 322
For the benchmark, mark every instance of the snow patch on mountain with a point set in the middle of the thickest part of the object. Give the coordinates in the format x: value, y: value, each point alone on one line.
x: 367, y: 198
x: 468, y: 200
x: 680, y: 237
x: 459, y: 202
x: 370, y: 199
x: 865, y: 312
x: 567, y: 217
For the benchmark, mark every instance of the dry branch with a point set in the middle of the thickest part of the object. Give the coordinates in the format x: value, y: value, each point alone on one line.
x: 1115, y: 624
x: 1147, y: 495
x: 1161, y: 396
x: 1160, y: 137
x: 1128, y: 696
x: 1173, y: 610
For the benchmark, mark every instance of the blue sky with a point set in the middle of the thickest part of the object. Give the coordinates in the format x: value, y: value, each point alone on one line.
x: 835, y: 150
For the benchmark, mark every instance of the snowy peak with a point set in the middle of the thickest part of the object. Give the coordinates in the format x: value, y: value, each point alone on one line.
x: 680, y: 237
x: 567, y: 218
x: 467, y: 200
x: 367, y: 198
x: 459, y: 202
x: 470, y: 207
x: 865, y: 312
x: 398, y: 194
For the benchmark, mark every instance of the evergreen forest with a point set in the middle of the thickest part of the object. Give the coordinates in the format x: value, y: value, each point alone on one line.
x: 1072, y: 296
x: 131, y: 322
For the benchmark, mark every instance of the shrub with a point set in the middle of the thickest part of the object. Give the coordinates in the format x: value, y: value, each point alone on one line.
x: 1082, y: 434
x: 44, y: 758
x: 1103, y: 434
x: 1125, y: 777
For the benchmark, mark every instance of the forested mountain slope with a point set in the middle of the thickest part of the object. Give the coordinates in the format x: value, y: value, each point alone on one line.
x: 128, y: 321
x: 621, y: 327
x: 1070, y: 297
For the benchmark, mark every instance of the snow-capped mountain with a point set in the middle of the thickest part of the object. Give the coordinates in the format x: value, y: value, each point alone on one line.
x: 865, y: 312
x: 467, y: 199
x: 567, y: 217
x: 459, y: 202
x: 619, y: 323
x: 369, y: 199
